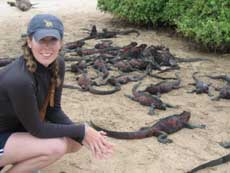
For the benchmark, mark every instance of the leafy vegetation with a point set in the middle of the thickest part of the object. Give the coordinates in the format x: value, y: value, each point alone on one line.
x: 204, y: 21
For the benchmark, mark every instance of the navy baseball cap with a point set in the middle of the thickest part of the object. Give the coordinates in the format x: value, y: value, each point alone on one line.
x: 44, y: 25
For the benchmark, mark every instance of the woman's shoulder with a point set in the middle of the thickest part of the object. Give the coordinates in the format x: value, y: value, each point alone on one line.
x: 16, y: 74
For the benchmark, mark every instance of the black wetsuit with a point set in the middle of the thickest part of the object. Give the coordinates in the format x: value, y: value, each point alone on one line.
x: 22, y: 94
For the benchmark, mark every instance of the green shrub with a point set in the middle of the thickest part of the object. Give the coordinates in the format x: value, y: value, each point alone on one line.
x: 174, y: 9
x: 137, y: 11
x: 108, y: 6
x: 207, y: 22
x: 204, y: 21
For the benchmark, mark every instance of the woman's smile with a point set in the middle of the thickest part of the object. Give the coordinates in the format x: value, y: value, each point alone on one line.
x: 46, y: 55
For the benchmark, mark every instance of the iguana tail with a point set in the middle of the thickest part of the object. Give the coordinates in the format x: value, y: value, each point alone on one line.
x: 100, y: 92
x: 143, y: 133
x: 191, y: 59
x: 222, y: 77
x: 128, y: 32
x: 217, y: 77
x: 211, y: 163
x: 194, y: 76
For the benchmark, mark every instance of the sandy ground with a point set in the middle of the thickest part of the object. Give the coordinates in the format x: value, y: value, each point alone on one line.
x: 189, y: 147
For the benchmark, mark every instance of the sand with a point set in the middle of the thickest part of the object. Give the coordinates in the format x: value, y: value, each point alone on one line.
x: 189, y: 147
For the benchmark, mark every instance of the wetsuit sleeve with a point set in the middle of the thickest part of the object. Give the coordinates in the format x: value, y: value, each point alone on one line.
x: 55, y: 114
x: 21, y: 93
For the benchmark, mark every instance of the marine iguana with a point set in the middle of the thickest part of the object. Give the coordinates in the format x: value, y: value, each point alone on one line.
x: 94, y: 34
x: 224, y: 92
x: 23, y: 5
x: 201, y: 87
x: 79, y: 67
x: 160, y: 129
x: 134, y: 52
x: 162, y: 55
x: 124, y: 66
x: 163, y: 86
x: 86, y: 84
x: 103, y: 44
x: 120, y: 51
x: 100, y: 65
x: 127, y: 48
x: 123, y: 79
x: 148, y: 100
x: 139, y: 64
x: 211, y: 163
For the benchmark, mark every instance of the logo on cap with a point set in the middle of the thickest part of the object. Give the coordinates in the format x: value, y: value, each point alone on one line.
x: 48, y: 24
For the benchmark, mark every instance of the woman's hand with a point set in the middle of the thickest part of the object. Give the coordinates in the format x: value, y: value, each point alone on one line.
x: 97, y: 143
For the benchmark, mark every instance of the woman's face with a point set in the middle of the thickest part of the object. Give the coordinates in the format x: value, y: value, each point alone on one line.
x: 45, y: 50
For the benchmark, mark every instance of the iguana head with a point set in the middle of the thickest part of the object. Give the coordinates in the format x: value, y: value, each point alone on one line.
x: 84, y: 81
x: 162, y: 106
x: 185, y: 116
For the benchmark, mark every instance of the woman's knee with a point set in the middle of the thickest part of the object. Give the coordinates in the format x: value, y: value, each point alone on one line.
x: 45, y: 148
x: 58, y: 147
x: 62, y: 146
